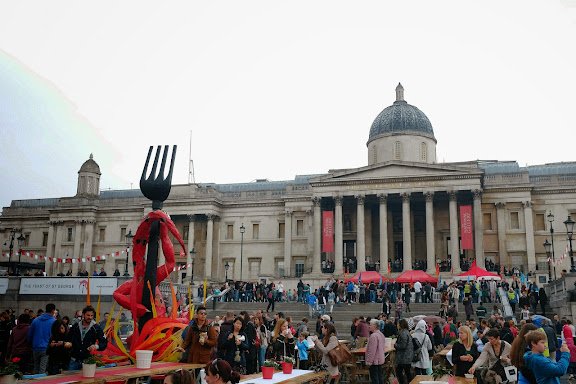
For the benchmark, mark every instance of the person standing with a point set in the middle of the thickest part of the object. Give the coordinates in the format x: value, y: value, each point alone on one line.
x: 236, y: 345
x: 58, y: 349
x: 404, y: 353
x: 418, y: 290
x: 86, y: 336
x: 201, y: 337
x: 252, y: 353
x: 18, y: 343
x: 464, y: 352
x: 422, y: 365
x: 39, y: 335
x: 375, y: 352
x: 271, y: 297
x: 328, y: 343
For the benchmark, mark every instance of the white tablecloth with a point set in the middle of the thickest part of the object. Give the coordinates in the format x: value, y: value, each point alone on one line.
x: 278, y: 377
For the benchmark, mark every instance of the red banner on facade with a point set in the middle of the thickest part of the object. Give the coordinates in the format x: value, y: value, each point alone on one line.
x: 327, y: 231
x: 466, y: 227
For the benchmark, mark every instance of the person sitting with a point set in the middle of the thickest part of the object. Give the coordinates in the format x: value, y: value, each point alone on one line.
x: 464, y: 351
x: 545, y: 370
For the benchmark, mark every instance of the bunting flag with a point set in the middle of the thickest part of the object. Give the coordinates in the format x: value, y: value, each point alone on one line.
x: 389, y: 268
x: 88, y: 292
x: 560, y: 260
x: 205, y: 289
x: 437, y: 270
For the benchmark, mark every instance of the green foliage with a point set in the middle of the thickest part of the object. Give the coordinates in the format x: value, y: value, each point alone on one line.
x: 12, y: 369
x: 93, y: 359
x: 439, y: 370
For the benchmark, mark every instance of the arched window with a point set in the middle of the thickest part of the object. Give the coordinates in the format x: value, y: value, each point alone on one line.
x: 423, y: 152
x: 397, y: 150
x: 374, y: 155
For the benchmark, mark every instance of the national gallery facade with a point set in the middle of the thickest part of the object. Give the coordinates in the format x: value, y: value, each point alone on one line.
x: 398, y: 212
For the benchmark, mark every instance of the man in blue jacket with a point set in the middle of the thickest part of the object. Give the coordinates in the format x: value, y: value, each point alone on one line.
x: 39, y: 335
x: 545, y: 370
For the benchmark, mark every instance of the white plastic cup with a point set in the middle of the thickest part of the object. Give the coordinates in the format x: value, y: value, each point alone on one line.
x: 144, y: 359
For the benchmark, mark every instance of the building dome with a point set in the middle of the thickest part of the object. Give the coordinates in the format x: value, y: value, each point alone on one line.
x: 90, y: 166
x: 401, y: 118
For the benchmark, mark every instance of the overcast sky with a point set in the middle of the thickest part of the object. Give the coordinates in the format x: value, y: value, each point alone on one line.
x: 273, y: 89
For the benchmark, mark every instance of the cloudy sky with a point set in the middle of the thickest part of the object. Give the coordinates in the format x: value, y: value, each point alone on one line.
x: 271, y: 89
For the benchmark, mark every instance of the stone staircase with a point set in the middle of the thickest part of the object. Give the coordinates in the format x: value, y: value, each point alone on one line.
x: 342, y: 316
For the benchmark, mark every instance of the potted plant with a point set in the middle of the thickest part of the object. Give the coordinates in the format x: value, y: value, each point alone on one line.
x: 89, y: 365
x: 268, y: 369
x: 288, y: 364
x: 10, y: 372
x: 441, y: 373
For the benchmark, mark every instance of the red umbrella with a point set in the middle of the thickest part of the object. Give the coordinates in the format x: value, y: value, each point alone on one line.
x: 367, y: 277
x: 413, y: 276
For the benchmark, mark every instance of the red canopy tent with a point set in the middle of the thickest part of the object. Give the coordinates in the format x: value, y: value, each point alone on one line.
x: 477, y: 273
x: 367, y: 277
x: 413, y: 276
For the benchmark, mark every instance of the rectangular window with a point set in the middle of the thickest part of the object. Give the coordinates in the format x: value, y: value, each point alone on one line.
x: 539, y: 222
x: 280, y: 269
x: 299, y: 269
x: 102, y: 235
x: 281, y: 230
x: 514, y: 220
x: 542, y: 264
x: 44, y: 239
x: 69, y: 235
x: 254, y: 270
x: 299, y: 227
x: 185, y: 231
x: 229, y: 232
x: 255, y: 231
x: 487, y: 217
x: 122, y: 235
x: 27, y: 241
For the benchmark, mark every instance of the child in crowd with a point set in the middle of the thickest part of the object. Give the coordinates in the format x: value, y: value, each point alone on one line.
x: 545, y: 370
x: 302, y: 345
x: 525, y: 313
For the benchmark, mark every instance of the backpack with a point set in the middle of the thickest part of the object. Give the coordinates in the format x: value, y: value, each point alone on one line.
x: 417, y: 350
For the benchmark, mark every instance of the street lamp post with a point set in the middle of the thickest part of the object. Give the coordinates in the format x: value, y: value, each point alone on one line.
x: 129, y: 238
x: 550, y: 220
x: 21, y: 240
x: 226, y: 267
x: 242, y: 230
x: 569, y: 223
x: 192, y: 255
x: 11, y: 247
x: 547, y: 249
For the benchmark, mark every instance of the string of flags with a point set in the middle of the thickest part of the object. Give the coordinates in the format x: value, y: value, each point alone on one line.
x: 85, y: 259
x: 558, y: 262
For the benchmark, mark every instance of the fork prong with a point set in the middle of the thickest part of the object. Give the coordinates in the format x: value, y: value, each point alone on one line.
x: 163, y: 165
x: 169, y: 177
x: 143, y: 177
x: 155, y: 165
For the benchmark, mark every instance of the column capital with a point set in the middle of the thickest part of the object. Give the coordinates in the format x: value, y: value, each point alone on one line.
x: 477, y: 194
x: 211, y: 216
x: 429, y: 195
x: 338, y: 200
x: 406, y: 197
x: 316, y: 201
x: 360, y: 199
x: 192, y: 217
x: 288, y: 213
x: 500, y: 205
x: 383, y: 197
x: 528, y: 204
x: 453, y: 195
x: 56, y: 222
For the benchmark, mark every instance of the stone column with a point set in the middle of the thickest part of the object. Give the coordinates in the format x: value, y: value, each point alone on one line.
x: 360, y: 234
x: 58, y: 249
x: 48, y: 265
x: 77, y: 243
x: 209, y: 239
x: 88, y: 246
x: 430, y: 234
x: 501, y: 220
x: 406, y: 233
x: 478, y: 228
x: 338, y: 238
x: 317, y: 256
x: 288, y: 244
x: 383, y: 233
x: 454, y: 238
x: 190, y: 245
x: 529, y: 224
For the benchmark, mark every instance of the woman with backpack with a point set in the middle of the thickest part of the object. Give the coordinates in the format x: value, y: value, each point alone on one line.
x: 422, y: 363
x: 404, y: 353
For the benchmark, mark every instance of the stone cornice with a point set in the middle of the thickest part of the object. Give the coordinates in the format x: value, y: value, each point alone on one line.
x: 424, y: 178
x: 506, y: 189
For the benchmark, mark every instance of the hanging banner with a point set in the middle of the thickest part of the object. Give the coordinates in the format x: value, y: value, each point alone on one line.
x: 466, y: 227
x: 66, y: 285
x: 327, y: 231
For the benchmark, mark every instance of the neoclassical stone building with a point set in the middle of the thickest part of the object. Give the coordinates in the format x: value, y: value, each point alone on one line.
x: 402, y: 208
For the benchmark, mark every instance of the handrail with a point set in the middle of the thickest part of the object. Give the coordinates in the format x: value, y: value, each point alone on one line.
x: 505, y: 304
x: 221, y: 294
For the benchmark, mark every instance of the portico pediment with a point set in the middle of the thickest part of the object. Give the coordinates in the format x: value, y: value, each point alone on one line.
x: 397, y: 171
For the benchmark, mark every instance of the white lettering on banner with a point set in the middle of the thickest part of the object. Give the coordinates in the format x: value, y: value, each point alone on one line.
x: 67, y: 285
